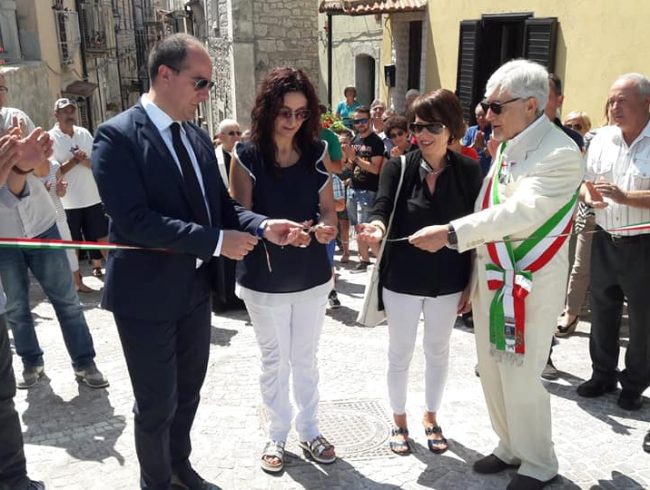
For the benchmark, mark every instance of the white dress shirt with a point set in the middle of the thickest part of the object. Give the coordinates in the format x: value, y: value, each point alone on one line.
x: 610, y: 159
x: 163, y: 123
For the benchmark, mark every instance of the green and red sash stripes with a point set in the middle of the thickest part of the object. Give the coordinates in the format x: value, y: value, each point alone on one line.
x: 510, y: 274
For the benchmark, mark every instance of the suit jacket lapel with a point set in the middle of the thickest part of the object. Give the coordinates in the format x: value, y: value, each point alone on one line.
x: 149, y: 131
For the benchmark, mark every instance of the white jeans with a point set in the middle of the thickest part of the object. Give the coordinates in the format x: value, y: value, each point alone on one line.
x: 288, y: 337
x: 403, y: 311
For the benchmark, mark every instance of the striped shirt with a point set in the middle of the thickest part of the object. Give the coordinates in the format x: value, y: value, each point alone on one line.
x: 610, y: 159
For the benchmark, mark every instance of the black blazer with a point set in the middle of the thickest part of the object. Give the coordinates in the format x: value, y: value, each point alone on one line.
x: 144, y: 196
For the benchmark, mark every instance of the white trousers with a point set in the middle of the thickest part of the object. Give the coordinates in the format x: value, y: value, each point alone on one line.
x: 403, y: 311
x: 288, y: 336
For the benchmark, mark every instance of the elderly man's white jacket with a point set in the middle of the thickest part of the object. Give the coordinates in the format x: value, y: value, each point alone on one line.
x: 545, y: 170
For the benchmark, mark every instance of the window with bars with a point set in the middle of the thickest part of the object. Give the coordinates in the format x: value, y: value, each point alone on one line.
x: 67, y: 30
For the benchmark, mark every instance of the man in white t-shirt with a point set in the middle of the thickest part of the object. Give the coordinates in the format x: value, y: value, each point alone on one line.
x: 83, y: 207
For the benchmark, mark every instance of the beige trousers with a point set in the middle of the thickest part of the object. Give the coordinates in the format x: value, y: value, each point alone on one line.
x: 518, y: 404
x: 580, y: 272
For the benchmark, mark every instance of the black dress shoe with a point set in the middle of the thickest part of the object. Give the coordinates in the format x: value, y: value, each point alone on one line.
x: 594, y: 388
x: 630, y: 400
x: 646, y: 442
x: 523, y: 482
x: 491, y: 464
x: 186, y: 478
x: 36, y: 485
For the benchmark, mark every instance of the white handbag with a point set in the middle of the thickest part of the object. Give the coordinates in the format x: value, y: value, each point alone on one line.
x: 370, y: 315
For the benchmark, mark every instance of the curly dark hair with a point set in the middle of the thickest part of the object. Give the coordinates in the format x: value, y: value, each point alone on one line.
x: 395, y: 122
x: 270, y: 96
x: 443, y: 106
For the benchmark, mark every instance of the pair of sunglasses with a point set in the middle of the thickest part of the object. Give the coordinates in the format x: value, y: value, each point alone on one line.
x: 396, y: 133
x: 234, y: 133
x: 576, y: 127
x: 363, y: 120
x: 288, y: 114
x: 200, y: 83
x: 496, y: 107
x: 433, y: 127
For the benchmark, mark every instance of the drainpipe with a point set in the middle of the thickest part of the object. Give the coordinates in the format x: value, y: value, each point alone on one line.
x: 84, y: 68
x: 116, y: 21
x: 329, y: 59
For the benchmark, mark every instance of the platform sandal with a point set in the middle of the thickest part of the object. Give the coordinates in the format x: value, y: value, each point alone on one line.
x: 315, y: 448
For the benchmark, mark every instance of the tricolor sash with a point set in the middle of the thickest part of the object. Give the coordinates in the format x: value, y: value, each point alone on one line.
x: 510, y: 273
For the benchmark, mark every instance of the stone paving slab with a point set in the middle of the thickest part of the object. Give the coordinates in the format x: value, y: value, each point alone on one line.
x: 77, y: 438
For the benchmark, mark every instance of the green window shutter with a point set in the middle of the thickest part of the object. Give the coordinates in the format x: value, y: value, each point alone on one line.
x: 468, y: 46
x: 540, y: 37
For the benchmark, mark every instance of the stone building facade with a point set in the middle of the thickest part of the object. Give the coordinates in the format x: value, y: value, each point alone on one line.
x: 247, y: 38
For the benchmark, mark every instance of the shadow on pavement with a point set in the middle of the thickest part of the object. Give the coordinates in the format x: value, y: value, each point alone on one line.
x: 619, y: 480
x: 602, y: 407
x: 312, y: 475
x: 221, y: 336
x: 86, y: 426
x: 446, y: 471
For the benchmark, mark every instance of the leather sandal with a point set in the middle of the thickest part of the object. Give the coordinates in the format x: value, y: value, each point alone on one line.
x: 273, y: 449
x: 437, y: 446
x: 315, y: 448
x: 400, y: 446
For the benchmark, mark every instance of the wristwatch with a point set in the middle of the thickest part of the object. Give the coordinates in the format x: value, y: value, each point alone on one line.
x: 451, y: 236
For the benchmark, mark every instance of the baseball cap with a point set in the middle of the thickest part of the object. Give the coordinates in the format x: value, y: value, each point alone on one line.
x: 64, y: 102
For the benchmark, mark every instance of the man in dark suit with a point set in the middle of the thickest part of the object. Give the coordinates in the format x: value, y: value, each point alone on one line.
x: 158, y: 178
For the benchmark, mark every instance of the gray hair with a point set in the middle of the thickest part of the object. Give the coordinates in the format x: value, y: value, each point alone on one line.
x: 377, y: 102
x: 226, y: 123
x: 641, y: 81
x: 413, y: 92
x: 521, y: 78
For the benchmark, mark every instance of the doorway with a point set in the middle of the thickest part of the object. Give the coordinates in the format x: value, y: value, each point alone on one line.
x: 364, y: 74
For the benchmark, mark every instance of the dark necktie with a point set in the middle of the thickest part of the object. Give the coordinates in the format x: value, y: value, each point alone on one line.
x: 192, y: 188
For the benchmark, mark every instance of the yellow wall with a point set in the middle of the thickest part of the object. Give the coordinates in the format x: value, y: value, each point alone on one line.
x: 59, y: 76
x: 597, y: 40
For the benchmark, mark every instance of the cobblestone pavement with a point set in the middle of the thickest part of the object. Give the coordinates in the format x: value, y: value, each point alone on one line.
x: 77, y: 438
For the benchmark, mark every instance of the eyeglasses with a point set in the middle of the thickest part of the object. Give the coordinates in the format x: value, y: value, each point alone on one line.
x: 432, y: 127
x: 496, y: 107
x: 576, y: 126
x: 396, y: 133
x: 234, y: 133
x: 288, y: 114
x: 3, y: 89
x: 200, y: 83
x: 363, y: 120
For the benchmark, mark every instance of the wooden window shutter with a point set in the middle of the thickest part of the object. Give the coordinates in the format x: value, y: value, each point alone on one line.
x: 468, y: 44
x: 540, y: 36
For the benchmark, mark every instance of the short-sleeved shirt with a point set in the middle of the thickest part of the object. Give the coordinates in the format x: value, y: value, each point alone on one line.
x: 334, y: 149
x: 346, y: 111
x: 292, y: 193
x: 485, y: 159
x: 366, y: 148
x: 82, y: 190
x: 610, y: 159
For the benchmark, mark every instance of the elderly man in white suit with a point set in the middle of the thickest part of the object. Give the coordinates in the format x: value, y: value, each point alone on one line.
x: 521, y: 264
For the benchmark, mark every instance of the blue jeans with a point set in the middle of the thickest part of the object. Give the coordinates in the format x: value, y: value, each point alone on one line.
x: 359, y: 206
x: 52, y: 271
